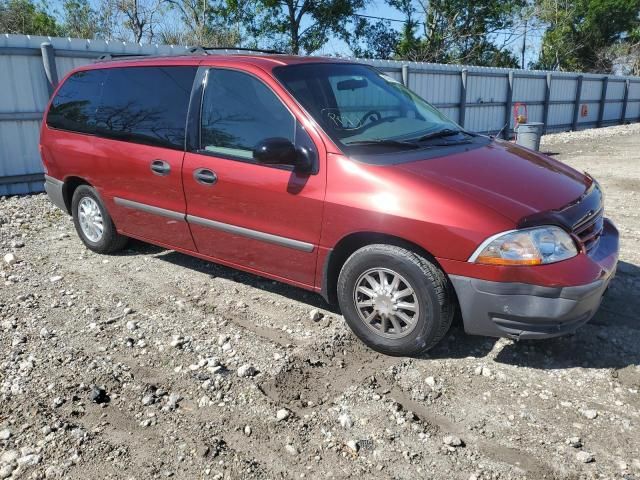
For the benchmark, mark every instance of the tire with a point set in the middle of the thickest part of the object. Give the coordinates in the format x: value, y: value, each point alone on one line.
x: 430, y: 307
x: 86, y: 199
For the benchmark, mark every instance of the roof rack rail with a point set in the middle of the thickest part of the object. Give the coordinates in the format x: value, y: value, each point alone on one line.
x: 205, y: 50
x: 119, y: 56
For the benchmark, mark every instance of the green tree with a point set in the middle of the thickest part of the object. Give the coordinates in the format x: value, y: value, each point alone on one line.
x: 212, y: 23
x: 373, y: 39
x: 300, y: 25
x: 457, y: 31
x: 80, y: 20
x: 581, y: 34
x: 27, y: 18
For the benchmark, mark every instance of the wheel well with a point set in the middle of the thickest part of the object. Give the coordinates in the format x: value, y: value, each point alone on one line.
x: 70, y: 185
x: 349, y: 244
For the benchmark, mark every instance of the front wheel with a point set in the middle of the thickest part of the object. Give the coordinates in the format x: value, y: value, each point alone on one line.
x: 396, y: 301
x: 93, y: 223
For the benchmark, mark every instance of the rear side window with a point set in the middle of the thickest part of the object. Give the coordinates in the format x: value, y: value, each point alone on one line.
x: 238, y: 111
x: 74, y: 107
x: 146, y: 105
x: 137, y: 104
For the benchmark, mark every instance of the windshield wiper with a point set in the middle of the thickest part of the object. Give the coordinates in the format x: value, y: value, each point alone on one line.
x: 445, y: 132
x: 385, y: 142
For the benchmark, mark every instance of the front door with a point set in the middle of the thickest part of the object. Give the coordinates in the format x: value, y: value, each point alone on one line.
x: 265, y: 219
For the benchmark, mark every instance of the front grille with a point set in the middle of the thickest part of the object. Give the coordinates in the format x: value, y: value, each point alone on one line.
x: 589, y: 229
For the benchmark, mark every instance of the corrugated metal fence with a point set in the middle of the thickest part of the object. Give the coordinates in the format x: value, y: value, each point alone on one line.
x: 479, y: 98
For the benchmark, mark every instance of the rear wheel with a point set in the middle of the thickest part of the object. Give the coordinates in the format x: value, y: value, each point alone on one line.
x: 93, y: 223
x: 394, y: 300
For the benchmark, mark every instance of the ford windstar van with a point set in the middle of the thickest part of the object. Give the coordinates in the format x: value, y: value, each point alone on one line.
x: 333, y: 177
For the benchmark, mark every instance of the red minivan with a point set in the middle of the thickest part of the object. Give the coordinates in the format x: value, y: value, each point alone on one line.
x: 333, y: 177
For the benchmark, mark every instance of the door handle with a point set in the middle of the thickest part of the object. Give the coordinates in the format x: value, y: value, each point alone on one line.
x: 160, y: 167
x: 204, y: 176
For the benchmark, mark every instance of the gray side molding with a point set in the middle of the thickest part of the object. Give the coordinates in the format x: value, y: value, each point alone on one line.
x: 224, y: 227
x: 149, y: 209
x: 255, y: 234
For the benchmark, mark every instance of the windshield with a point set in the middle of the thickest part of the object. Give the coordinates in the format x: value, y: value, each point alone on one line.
x: 359, y: 107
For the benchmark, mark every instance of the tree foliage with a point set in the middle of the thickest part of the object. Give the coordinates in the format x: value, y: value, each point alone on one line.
x: 25, y: 17
x: 300, y: 26
x: 457, y: 31
x: 80, y: 20
x: 582, y: 34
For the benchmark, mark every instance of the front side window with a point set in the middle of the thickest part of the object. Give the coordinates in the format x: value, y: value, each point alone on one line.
x: 239, y: 111
x: 75, y: 105
x: 359, y: 107
x: 146, y: 105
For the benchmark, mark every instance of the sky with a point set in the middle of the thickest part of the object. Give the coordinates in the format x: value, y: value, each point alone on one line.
x: 380, y: 8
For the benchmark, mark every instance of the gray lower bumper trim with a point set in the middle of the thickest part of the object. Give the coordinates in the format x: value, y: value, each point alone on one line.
x: 55, y: 191
x: 520, y: 310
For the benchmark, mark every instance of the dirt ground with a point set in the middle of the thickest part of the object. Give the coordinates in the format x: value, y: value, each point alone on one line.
x: 151, y: 364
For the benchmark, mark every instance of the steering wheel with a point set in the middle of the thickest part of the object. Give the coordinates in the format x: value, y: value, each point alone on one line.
x: 369, y: 114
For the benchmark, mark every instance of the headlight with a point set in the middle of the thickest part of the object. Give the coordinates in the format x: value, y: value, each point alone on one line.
x: 531, y: 246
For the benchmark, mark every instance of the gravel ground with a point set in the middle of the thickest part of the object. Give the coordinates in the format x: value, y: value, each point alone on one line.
x: 153, y: 364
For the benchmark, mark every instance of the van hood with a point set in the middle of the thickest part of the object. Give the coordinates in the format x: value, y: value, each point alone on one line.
x: 514, y: 181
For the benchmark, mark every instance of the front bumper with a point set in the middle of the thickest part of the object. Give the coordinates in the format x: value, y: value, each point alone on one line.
x: 523, y: 310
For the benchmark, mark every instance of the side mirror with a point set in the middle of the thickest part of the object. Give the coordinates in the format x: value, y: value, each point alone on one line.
x: 280, y: 151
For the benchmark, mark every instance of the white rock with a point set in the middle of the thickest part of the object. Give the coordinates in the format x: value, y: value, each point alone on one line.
x: 131, y: 325
x: 345, y: 421
x: 315, y: 315
x: 590, y: 414
x: 5, y: 471
x: 29, y: 460
x: 282, y: 414
x: 247, y: 430
x: 452, y: 441
x: 10, y: 456
x: 247, y: 371
x: 574, y: 442
x: 5, y: 434
x: 55, y: 278
x: 353, y: 445
x: 584, y: 457
x: 10, y: 259
x: 291, y: 450
x: 431, y: 382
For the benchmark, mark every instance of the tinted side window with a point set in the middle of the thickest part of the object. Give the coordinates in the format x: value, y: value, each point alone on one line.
x: 146, y: 105
x: 238, y: 111
x: 74, y: 106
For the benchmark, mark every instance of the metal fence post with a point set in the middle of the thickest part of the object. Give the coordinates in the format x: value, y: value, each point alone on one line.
x: 506, y: 134
x: 463, y: 97
x: 576, y: 103
x: 49, y: 64
x: 603, y: 101
x: 625, y: 101
x: 547, y: 98
x: 405, y: 75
